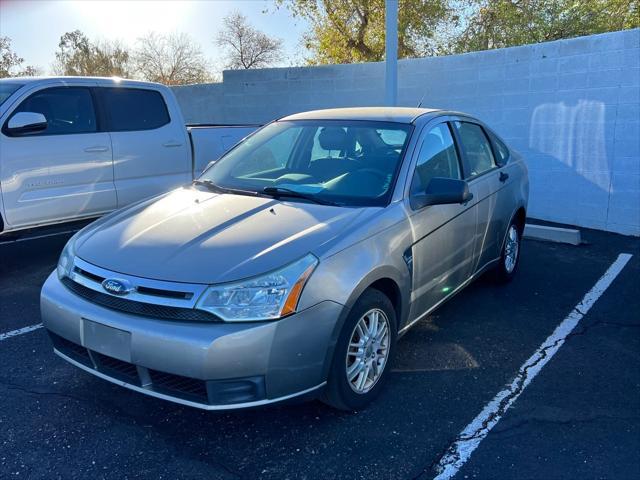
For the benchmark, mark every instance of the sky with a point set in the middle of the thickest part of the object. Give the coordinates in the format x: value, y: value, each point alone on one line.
x: 35, y: 26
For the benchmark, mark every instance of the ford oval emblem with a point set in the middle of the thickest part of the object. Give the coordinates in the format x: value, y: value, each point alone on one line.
x: 116, y: 286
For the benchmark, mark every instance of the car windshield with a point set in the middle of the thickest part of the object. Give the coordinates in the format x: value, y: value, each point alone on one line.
x: 349, y: 163
x: 6, y: 89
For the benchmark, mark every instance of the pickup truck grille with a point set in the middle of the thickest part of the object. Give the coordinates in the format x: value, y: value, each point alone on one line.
x: 149, y: 298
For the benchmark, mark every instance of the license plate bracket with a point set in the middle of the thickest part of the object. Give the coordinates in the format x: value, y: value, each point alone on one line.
x: 106, y: 340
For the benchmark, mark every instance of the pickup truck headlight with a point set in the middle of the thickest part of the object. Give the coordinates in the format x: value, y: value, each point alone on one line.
x: 65, y: 262
x: 267, y: 297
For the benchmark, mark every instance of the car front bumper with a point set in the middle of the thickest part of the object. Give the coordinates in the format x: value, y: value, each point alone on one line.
x: 214, y: 366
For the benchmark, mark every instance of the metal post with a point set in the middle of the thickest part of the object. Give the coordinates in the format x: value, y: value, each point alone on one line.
x: 391, y: 52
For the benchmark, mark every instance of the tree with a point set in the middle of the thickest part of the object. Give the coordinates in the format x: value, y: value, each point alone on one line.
x: 77, y: 55
x: 173, y: 59
x: 246, y: 47
x: 346, y: 31
x: 506, y: 23
x: 10, y: 62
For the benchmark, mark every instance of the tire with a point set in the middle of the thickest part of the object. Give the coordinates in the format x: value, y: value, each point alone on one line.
x: 510, y: 255
x: 373, y: 370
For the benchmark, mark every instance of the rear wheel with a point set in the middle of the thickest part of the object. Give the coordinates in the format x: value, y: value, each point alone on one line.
x: 360, y: 363
x: 510, y: 257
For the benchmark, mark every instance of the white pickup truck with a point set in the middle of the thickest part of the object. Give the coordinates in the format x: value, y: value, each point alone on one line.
x: 74, y: 148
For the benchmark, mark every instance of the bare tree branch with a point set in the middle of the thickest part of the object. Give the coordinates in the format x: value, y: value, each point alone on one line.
x: 246, y: 47
x: 173, y: 59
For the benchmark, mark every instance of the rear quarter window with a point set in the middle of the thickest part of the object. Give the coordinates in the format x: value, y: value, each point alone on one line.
x: 499, y: 148
x: 132, y: 109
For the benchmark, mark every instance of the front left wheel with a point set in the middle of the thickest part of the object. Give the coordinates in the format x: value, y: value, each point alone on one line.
x: 361, y: 358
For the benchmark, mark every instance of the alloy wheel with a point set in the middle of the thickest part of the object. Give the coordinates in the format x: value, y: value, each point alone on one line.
x: 368, y: 351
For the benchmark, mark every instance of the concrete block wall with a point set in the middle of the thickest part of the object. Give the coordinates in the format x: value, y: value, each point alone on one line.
x: 571, y: 107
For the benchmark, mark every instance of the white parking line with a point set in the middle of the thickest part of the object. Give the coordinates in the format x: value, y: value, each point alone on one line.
x: 20, y: 331
x: 469, y: 439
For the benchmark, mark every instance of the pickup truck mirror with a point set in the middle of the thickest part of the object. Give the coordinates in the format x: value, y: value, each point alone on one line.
x: 442, y: 191
x: 24, y: 123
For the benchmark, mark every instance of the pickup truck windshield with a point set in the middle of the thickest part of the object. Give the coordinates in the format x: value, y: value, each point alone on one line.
x: 349, y: 163
x: 7, y: 89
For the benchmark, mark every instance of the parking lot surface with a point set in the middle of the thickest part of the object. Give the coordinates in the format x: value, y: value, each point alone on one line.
x: 579, y: 418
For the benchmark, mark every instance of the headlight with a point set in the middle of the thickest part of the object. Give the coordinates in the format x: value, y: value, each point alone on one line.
x: 65, y: 262
x: 266, y: 297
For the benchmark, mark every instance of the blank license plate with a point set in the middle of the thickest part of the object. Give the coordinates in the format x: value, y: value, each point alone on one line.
x: 109, y: 341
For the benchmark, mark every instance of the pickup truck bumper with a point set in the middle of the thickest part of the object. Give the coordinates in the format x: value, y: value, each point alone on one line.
x: 214, y: 366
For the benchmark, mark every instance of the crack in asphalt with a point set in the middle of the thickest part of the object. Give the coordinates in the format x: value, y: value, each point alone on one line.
x: 568, y: 421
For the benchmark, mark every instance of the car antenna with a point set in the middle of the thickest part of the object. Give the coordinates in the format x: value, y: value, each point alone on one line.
x: 421, y: 99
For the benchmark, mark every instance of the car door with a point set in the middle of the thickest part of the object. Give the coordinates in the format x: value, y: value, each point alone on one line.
x: 443, y: 235
x: 151, y: 153
x: 62, y: 172
x: 483, y: 175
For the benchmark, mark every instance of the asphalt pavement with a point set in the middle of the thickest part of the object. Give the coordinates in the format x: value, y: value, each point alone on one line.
x: 579, y: 418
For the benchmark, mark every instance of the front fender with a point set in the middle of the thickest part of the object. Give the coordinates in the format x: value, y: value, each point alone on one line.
x: 344, y: 276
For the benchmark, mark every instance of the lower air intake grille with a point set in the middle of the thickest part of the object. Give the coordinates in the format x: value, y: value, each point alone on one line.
x: 178, y: 385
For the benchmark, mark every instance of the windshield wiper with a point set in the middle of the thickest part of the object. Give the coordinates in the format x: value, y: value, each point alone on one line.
x: 288, y: 192
x: 218, y: 189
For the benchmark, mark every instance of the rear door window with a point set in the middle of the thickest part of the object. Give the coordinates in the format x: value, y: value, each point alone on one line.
x: 68, y: 110
x: 476, y: 148
x: 131, y: 109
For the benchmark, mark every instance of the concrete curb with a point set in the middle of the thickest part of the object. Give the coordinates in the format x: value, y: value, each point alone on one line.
x: 552, y: 234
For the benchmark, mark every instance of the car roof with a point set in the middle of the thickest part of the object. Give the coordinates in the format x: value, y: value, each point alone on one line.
x: 380, y: 114
x: 94, y: 80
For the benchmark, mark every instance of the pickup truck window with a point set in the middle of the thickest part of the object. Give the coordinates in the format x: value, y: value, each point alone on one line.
x: 7, y: 89
x: 131, y: 109
x: 68, y: 110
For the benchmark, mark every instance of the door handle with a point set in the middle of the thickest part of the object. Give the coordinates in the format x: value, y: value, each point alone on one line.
x: 96, y: 149
x: 503, y: 177
x: 172, y: 143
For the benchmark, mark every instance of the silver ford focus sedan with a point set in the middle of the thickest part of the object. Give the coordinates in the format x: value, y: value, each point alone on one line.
x: 292, y: 265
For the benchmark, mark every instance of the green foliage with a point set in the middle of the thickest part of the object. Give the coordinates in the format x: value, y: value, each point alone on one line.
x: 346, y: 31
x: 505, y: 23
x: 77, y: 55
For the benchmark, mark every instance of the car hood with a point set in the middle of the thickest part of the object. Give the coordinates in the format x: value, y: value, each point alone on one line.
x: 195, y: 236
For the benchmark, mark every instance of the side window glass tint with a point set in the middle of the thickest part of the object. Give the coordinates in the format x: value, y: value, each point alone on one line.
x: 501, y: 150
x: 437, y: 158
x: 68, y: 110
x: 130, y: 109
x: 475, y: 147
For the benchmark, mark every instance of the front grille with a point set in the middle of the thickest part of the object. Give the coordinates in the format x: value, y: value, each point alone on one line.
x: 139, y: 308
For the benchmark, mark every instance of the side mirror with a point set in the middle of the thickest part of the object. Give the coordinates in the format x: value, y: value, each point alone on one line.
x: 443, y: 191
x: 24, y: 123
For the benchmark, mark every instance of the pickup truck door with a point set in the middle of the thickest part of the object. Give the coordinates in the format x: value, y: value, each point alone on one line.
x: 62, y: 172
x: 151, y: 151
x: 443, y: 235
